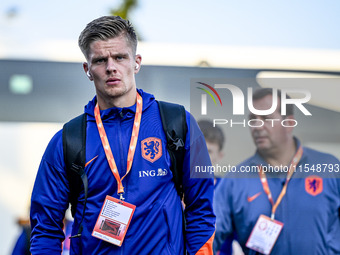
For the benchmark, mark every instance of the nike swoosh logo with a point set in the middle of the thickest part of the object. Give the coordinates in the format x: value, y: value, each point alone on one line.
x: 90, y: 161
x: 252, y: 198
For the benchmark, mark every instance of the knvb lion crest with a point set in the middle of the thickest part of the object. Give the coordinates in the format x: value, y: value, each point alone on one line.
x: 313, y: 185
x: 152, y: 149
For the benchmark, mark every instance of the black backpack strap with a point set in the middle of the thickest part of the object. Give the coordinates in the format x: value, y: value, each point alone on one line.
x: 74, y: 145
x: 27, y: 230
x: 175, y: 127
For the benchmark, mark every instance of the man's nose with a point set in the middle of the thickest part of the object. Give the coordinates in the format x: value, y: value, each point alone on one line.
x: 110, y: 67
x: 256, y: 123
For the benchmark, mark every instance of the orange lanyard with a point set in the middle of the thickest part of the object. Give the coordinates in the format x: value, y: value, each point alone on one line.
x: 265, y: 185
x: 132, y: 147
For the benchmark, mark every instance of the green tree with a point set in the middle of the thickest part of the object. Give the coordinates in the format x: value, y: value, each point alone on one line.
x: 124, y: 10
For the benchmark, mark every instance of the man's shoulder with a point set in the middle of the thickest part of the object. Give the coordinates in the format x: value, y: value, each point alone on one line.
x: 316, y: 155
x: 54, y: 151
x: 241, y: 172
x: 56, y: 140
x: 173, y: 105
x: 168, y: 102
x: 252, y: 160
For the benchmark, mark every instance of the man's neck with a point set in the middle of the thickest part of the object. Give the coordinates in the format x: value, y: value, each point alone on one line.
x: 119, y: 102
x: 282, y: 156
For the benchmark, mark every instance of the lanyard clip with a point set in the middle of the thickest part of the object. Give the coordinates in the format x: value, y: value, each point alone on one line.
x: 272, y: 217
x: 121, y: 196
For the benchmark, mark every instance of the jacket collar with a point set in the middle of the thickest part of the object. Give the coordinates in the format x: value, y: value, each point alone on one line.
x: 114, y: 112
x: 258, y: 160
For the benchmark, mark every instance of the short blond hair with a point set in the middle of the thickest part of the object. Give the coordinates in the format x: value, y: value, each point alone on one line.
x: 105, y: 28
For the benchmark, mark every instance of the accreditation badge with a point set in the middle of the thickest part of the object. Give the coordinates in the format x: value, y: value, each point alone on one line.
x: 264, y: 234
x: 113, y: 221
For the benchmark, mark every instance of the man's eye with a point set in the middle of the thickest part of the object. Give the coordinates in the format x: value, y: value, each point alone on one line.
x: 101, y: 60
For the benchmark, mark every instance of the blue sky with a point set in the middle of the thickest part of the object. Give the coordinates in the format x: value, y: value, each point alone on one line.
x: 301, y: 24
x: 264, y: 23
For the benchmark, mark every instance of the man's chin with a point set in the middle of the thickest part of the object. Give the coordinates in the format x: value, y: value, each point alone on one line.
x: 262, y: 146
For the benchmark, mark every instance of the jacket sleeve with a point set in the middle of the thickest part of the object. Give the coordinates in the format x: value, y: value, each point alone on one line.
x: 198, y: 193
x: 49, y: 201
x: 222, y: 207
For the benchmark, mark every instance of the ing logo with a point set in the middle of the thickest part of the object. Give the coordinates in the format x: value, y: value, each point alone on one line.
x: 204, y: 97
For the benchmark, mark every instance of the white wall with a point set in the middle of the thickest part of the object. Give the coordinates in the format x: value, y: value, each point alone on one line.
x: 21, y: 148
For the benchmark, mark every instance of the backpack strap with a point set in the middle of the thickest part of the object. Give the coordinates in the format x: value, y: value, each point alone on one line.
x: 175, y: 127
x: 27, y: 231
x: 74, y: 145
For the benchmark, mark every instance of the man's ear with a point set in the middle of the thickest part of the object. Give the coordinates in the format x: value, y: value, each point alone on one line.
x: 138, y: 62
x: 290, y: 123
x: 87, y: 71
x: 220, y: 155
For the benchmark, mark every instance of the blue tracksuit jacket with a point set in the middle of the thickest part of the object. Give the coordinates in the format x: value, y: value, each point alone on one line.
x: 310, y: 210
x: 156, y: 226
